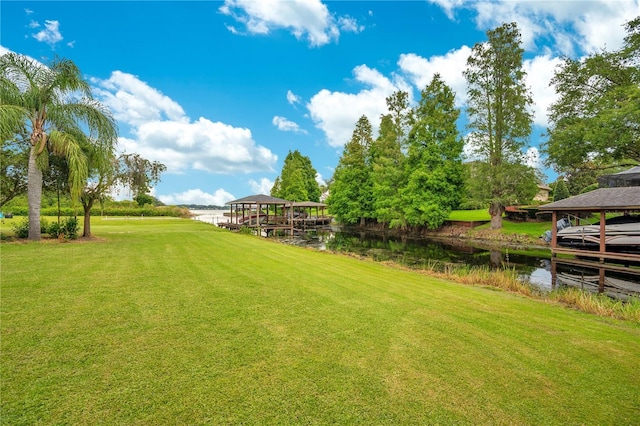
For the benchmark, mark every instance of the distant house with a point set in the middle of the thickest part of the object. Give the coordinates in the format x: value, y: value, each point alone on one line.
x: 543, y: 193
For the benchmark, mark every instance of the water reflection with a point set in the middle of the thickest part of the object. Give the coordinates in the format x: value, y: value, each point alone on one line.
x: 600, y: 279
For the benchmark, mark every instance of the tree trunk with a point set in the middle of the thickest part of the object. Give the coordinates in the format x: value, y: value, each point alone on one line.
x: 34, y: 195
x: 86, y: 228
x: 496, y: 210
x: 495, y: 259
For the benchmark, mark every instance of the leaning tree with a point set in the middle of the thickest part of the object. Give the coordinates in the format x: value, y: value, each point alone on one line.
x: 53, y: 104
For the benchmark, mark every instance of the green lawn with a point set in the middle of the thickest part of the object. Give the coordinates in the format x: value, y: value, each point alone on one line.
x: 177, y: 322
x: 470, y: 215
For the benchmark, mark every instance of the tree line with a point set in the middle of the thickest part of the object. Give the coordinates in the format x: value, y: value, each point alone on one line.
x: 412, y: 173
x: 56, y: 136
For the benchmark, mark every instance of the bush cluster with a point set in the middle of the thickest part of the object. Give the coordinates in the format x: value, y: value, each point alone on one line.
x: 67, y: 228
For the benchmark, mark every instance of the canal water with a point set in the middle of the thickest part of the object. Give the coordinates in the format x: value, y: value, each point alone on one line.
x: 532, y: 266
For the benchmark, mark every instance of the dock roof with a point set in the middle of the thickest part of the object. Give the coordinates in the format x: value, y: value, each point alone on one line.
x: 308, y: 204
x: 621, y: 198
x: 259, y: 199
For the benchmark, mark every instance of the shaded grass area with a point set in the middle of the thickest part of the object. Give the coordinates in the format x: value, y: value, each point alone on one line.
x: 176, y: 322
x: 529, y: 231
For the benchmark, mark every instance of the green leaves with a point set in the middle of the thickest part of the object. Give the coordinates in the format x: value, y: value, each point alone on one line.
x: 297, y: 181
x: 412, y: 173
x: 53, y: 105
x: 500, y: 120
x: 596, y: 120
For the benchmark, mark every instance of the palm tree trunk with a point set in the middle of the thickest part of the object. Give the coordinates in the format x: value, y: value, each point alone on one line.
x: 34, y: 195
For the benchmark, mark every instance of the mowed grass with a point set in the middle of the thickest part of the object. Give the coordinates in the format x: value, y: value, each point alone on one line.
x: 177, y: 322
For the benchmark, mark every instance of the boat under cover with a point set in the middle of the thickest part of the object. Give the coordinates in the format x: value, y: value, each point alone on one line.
x: 622, y: 234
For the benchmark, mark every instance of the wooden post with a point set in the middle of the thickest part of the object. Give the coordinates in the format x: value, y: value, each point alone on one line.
x: 601, y: 280
x: 258, y: 208
x: 291, y: 221
x: 554, y: 231
x: 603, y: 241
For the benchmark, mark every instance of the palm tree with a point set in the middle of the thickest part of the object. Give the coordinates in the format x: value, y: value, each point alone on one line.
x: 53, y: 104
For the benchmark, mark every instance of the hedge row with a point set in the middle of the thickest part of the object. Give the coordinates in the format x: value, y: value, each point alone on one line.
x: 109, y: 211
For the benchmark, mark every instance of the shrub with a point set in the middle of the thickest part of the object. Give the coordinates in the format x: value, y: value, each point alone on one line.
x: 67, y: 229
x: 21, y: 229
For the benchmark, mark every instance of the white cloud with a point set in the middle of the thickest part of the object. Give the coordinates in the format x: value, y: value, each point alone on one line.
x: 349, y: 24
x: 198, y: 196
x: 450, y: 66
x: 305, y: 19
x: 448, y: 6
x: 580, y: 25
x: 134, y: 101
x: 71, y: 44
x: 320, y: 179
x: 336, y: 113
x: 33, y: 24
x: 532, y: 158
x: 539, y: 71
x: 292, y: 98
x: 262, y: 187
x: 28, y: 11
x: 282, y: 123
x: 162, y: 132
x: 50, y: 34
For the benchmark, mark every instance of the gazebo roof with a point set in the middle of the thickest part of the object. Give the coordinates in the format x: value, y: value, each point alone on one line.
x: 259, y: 199
x: 621, y: 198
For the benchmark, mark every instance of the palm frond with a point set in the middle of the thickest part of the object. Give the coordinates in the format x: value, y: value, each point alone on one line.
x: 66, y: 145
x: 98, y: 119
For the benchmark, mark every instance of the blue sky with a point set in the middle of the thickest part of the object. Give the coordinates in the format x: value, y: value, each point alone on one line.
x: 221, y: 91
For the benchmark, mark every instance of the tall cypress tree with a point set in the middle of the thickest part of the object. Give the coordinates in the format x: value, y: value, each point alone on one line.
x: 500, y: 120
x: 434, y: 158
x: 350, y: 196
x: 387, y: 162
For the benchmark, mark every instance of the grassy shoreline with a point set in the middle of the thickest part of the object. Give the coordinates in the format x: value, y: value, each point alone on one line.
x: 177, y: 322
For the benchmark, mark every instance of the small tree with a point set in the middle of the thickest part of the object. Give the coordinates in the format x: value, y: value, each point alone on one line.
x: 561, y: 192
x: 13, y: 169
x: 144, y: 199
x: 297, y: 180
x: 129, y: 170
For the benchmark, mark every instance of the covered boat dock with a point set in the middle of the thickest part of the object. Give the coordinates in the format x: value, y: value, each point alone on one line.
x: 603, y: 201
